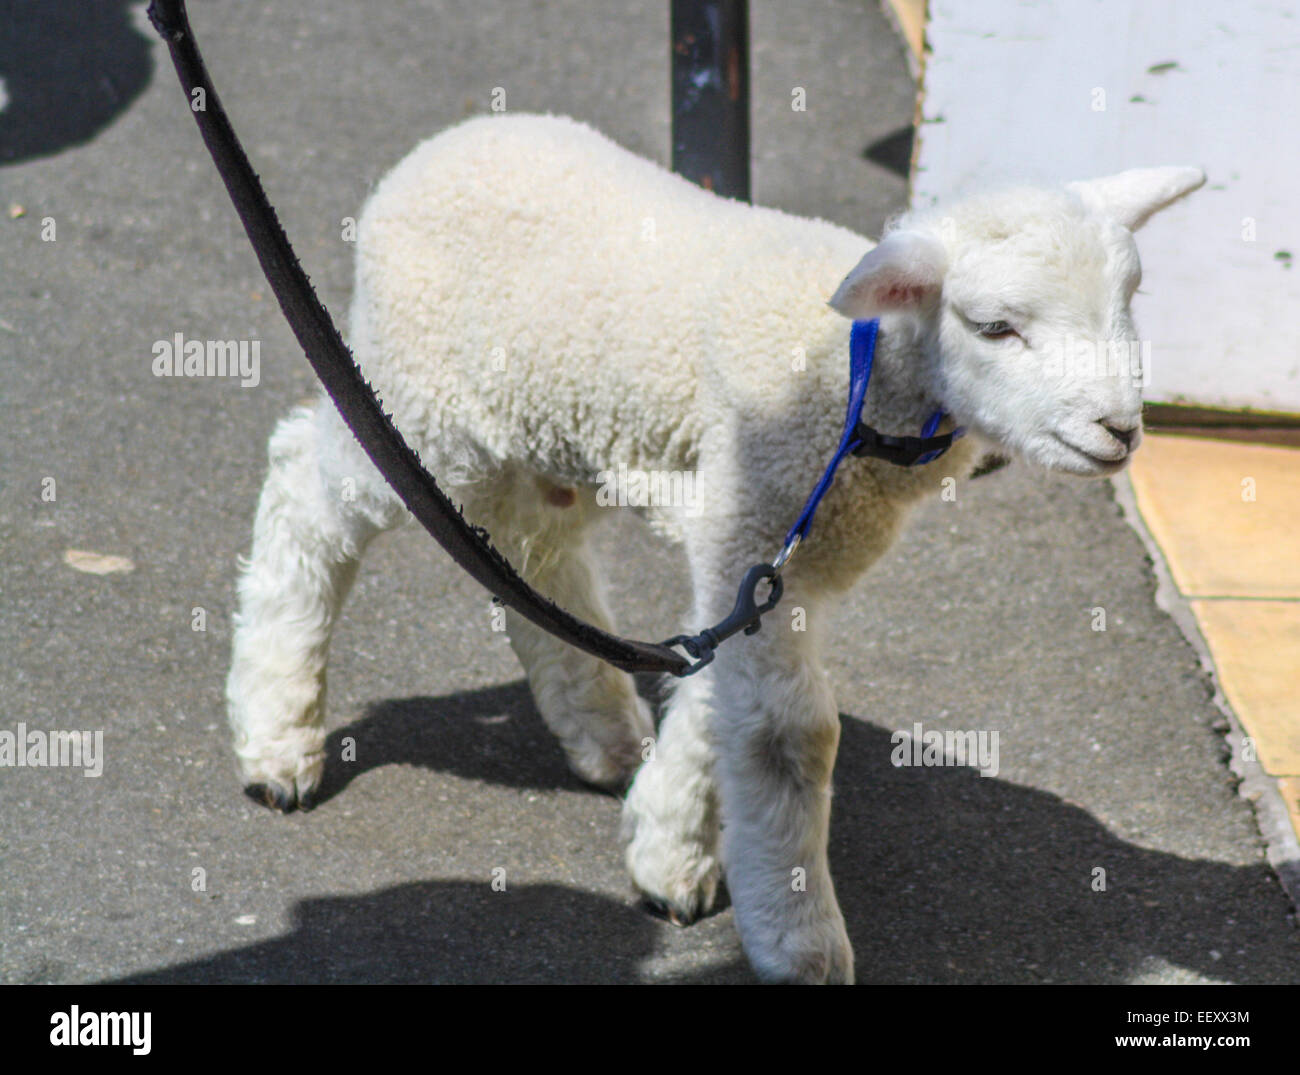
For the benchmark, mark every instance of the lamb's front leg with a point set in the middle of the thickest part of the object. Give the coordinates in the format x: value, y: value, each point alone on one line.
x: 670, y: 817
x: 777, y: 730
x: 756, y: 732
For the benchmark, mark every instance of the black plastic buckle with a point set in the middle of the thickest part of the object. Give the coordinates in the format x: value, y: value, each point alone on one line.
x: 901, y: 451
x: 745, y: 616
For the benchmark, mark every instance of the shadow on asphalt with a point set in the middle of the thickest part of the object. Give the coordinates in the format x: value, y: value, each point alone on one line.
x: 944, y: 876
x: 70, y: 68
x: 457, y: 932
x: 494, y: 734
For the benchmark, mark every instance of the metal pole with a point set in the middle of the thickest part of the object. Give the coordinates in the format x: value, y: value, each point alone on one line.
x: 710, y: 77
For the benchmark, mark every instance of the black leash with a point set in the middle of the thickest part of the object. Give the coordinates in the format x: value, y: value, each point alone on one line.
x: 467, y: 544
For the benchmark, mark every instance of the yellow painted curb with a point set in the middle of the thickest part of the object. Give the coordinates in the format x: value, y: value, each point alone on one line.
x: 1226, y: 516
x: 1256, y: 649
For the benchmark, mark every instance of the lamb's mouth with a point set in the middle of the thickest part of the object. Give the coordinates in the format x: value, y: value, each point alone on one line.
x: 1109, y: 466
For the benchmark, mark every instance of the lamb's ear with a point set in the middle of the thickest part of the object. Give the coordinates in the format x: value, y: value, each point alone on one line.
x: 1132, y: 197
x: 902, y: 273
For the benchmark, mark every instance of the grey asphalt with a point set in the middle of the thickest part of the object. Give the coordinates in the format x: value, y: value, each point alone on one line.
x: 1111, y: 750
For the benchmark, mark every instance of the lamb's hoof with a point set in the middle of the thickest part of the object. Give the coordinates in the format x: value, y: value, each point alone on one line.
x: 662, y: 910
x: 676, y: 875
x: 278, y: 798
x: 286, y: 778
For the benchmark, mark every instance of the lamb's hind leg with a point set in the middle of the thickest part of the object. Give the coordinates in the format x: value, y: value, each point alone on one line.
x: 590, y: 706
x: 321, y: 504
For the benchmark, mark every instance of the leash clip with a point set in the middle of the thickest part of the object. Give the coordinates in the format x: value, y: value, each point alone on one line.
x: 746, y: 615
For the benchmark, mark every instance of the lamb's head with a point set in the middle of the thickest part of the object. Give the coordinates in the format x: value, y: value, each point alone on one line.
x: 1019, y: 303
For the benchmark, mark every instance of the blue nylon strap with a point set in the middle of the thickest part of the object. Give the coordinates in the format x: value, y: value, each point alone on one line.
x: 930, y: 427
x: 862, y: 353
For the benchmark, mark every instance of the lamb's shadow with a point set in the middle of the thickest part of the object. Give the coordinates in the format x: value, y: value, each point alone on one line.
x: 446, y: 932
x: 947, y: 876
x: 70, y: 68
x: 943, y: 875
x: 494, y: 734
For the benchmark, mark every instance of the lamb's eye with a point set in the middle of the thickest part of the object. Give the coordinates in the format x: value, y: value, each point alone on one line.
x: 995, y: 330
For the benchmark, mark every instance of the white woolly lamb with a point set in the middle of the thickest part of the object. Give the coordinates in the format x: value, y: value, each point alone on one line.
x: 537, y: 306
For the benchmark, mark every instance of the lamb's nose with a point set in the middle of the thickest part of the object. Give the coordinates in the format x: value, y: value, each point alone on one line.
x: 1124, y: 436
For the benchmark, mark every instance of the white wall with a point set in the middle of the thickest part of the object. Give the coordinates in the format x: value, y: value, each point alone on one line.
x: 1044, y: 91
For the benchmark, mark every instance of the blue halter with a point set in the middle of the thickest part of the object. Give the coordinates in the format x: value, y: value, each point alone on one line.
x: 860, y: 439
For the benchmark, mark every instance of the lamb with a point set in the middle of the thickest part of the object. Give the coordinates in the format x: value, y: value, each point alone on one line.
x: 537, y: 306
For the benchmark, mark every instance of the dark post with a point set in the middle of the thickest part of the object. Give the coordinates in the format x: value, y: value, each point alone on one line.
x: 710, y: 42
